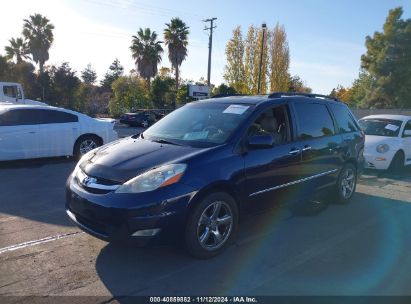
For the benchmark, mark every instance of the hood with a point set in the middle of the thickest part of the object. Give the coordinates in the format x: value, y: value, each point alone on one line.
x: 126, y: 158
x: 372, y: 141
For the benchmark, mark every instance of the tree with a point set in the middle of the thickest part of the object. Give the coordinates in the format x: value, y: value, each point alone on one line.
x: 91, y: 99
x: 279, y: 60
x: 64, y: 85
x: 162, y: 91
x: 176, y: 38
x: 223, y: 89
x: 130, y: 93
x: 342, y: 93
x: 164, y: 72
x: 38, y: 31
x: 17, y: 49
x: 250, y: 61
x: 114, y: 72
x: 89, y: 75
x: 388, y: 62
x: 296, y: 84
x: 146, y: 51
x: 234, y: 69
x: 4, y: 68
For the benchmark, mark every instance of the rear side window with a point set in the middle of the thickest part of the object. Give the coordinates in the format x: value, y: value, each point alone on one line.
x: 52, y: 116
x: 10, y: 91
x: 346, y: 123
x: 313, y: 120
x: 21, y: 117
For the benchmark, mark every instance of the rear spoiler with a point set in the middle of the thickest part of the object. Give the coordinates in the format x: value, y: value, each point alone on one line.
x: 110, y: 120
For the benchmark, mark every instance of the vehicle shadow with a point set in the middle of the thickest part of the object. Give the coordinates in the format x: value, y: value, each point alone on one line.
x: 347, y: 250
x: 405, y: 175
x: 34, y: 189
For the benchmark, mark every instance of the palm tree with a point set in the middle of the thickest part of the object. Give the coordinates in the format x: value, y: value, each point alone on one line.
x: 146, y: 51
x: 176, y: 38
x: 39, y: 33
x: 18, y: 48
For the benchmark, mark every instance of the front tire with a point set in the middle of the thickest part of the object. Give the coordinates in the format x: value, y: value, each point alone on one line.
x: 85, y: 144
x: 397, y: 163
x: 211, y: 225
x: 346, y: 184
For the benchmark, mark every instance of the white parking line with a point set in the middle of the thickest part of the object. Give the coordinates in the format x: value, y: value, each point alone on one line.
x: 37, y: 242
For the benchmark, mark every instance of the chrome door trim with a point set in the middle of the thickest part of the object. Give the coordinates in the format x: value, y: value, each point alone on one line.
x: 294, y: 182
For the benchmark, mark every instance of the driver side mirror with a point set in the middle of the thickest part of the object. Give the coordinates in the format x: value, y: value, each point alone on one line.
x: 407, y: 133
x: 261, y: 141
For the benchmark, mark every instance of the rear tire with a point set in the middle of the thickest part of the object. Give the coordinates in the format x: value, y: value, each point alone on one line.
x: 85, y: 144
x: 211, y: 225
x: 397, y: 163
x: 346, y: 184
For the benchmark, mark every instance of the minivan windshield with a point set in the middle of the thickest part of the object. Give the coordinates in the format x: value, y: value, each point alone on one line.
x: 380, y: 126
x: 199, y: 124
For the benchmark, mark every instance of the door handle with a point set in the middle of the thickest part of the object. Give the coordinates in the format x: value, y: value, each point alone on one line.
x: 32, y: 132
x: 294, y: 151
x: 306, y: 148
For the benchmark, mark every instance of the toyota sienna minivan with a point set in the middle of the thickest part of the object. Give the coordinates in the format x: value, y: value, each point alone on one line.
x: 192, y: 174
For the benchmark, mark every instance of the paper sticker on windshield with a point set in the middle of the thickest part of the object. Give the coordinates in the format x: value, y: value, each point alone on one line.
x: 196, y: 135
x: 236, y: 109
x: 392, y: 127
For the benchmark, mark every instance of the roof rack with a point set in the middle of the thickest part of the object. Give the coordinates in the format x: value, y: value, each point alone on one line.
x: 310, y: 95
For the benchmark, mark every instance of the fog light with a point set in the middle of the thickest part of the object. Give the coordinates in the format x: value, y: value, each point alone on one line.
x: 146, y: 232
x: 380, y: 158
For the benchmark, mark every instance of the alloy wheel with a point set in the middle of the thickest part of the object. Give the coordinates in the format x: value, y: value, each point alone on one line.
x: 87, y: 145
x: 215, y: 225
x: 347, y: 183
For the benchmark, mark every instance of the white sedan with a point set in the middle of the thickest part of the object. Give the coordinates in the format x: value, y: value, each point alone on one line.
x: 387, y: 141
x: 31, y: 131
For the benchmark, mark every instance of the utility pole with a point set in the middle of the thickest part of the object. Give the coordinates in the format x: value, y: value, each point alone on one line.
x: 261, y: 59
x: 210, y: 46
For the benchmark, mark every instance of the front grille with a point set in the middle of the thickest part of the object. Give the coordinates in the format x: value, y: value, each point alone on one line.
x: 97, y: 186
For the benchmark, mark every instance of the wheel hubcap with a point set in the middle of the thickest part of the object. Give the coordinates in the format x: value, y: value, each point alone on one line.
x: 214, y: 226
x: 348, y: 183
x: 87, y: 145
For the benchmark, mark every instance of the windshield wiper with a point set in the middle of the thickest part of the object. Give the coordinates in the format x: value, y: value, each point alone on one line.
x: 163, y: 141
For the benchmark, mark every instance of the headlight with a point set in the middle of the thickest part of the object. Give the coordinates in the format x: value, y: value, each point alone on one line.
x: 382, y: 148
x: 153, y: 179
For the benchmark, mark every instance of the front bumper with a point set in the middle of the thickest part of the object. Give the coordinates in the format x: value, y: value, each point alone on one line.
x: 380, y: 161
x: 116, y: 217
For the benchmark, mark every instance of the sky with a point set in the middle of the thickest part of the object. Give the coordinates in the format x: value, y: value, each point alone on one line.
x: 326, y: 38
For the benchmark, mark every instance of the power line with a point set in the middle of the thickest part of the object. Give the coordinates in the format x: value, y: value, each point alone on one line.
x: 210, y: 45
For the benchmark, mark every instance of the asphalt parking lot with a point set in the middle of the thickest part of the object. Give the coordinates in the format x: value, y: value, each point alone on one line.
x: 358, y: 249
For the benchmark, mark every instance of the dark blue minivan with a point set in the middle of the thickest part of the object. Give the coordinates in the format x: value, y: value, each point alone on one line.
x: 193, y: 173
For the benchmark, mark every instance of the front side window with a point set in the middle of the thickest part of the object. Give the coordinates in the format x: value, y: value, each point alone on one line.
x: 273, y: 122
x: 200, y: 124
x: 345, y: 121
x: 21, y: 117
x: 313, y: 120
x: 380, y: 126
